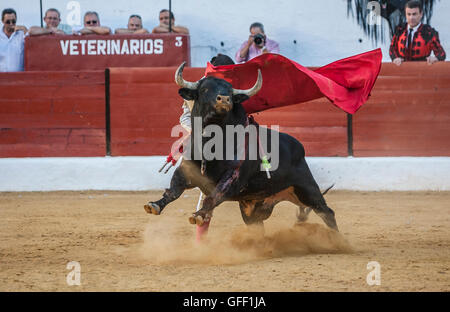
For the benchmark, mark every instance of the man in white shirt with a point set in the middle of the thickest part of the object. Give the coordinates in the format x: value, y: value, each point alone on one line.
x: 12, y: 40
x: 52, y: 19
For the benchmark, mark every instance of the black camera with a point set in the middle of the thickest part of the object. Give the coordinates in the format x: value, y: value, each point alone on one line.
x: 258, y: 38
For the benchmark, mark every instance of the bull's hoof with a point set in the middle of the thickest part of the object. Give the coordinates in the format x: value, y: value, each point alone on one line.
x: 199, y: 220
x: 196, y: 220
x: 152, y: 208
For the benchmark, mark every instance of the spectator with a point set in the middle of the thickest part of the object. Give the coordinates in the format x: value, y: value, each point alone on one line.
x: 414, y: 41
x: 12, y: 38
x: 52, y: 21
x: 164, y: 16
x: 134, y: 26
x: 257, y: 44
x: 92, y: 25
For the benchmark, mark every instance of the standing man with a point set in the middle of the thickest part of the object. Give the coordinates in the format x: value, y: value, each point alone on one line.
x: 414, y: 41
x: 164, y: 16
x: 257, y: 44
x: 12, y: 40
x: 52, y: 21
x: 134, y: 26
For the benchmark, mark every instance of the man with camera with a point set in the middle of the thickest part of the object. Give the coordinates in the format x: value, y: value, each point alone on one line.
x: 257, y: 44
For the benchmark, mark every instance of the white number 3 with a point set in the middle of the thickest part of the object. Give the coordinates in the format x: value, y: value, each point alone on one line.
x: 178, y: 42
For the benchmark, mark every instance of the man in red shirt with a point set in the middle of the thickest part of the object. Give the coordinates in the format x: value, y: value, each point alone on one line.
x: 414, y: 41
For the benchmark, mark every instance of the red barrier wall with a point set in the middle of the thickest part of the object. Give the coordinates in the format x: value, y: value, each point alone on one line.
x: 320, y: 126
x: 52, y: 114
x: 63, y: 114
x: 145, y: 105
x: 408, y: 113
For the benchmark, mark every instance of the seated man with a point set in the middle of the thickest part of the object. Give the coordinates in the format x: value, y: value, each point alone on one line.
x: 52, y: 21
x: 257, y: 44
x: 134, y: 26
x: 164, y: 16
x: 92, y: 25
x: 414, y: 41
x: 12, y: 38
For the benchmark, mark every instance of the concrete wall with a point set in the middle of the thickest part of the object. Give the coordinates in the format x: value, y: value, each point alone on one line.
x: 321, y: 29
x: 141, y: 173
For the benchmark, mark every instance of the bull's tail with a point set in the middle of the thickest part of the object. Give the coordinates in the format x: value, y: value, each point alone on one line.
x: 326, y: 191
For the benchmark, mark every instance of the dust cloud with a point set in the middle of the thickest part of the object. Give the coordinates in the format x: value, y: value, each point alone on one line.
x: 165, y: 244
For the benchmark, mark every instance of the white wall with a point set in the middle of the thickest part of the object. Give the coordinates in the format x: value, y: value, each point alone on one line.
x: 141, y: 173
x: 321, y: 28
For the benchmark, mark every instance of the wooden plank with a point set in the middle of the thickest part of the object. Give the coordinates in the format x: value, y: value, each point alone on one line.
x: 415, y: 69
x: 160, y: 75
x: 52, y: 114
x: 52, y: 78
x: 51, y: 150
x: 412, y: 82
x: 403, y: 126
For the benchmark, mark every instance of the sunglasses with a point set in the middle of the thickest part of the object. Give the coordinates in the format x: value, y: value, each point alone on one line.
x: 10, y: 22
x: 91, y: 22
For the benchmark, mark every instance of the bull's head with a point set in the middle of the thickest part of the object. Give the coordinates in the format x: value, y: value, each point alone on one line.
x: 213, y: 97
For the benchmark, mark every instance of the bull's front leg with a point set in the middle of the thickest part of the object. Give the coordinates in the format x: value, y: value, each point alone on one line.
x: 178, y: 185
x: 228, y: 186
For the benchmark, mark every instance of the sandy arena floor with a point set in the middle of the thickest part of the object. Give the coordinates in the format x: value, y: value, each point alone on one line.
x: 121, y: 248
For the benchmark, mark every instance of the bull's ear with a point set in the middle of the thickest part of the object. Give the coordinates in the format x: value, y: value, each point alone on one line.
x: 188, y: 94
x: 239, y: 98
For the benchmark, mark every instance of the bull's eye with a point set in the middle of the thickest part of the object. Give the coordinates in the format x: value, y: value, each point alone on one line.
x: 205, y: 90
x: 219, y: 98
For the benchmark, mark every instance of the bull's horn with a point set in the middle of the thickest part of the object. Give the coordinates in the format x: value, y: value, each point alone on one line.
x: 252, y: 91
x: 181, y: 82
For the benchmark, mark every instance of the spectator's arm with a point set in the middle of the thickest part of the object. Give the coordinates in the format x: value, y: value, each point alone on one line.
x: 160, y: 29
x: 242, y: 53
x: 437, y: 48
x: 165, y: 29
x: 86, y: 31
x: 141, y: 31
x: 128, y: 31
x: 99, y: 30
x: 22, y: 28
x: 123, y: 31
x: 180, y: 30
x: 39, y: 31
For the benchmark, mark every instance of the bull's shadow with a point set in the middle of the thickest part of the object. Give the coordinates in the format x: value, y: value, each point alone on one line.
x: 239, y: 178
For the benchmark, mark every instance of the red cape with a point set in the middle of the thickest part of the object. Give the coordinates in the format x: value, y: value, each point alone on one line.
x: 346, y: 83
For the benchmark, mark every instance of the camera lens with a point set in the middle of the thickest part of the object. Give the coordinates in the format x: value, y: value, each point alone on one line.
x: 258, y: 39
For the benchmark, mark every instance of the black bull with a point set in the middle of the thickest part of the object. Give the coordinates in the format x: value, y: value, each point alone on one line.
x: 217, y: 103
